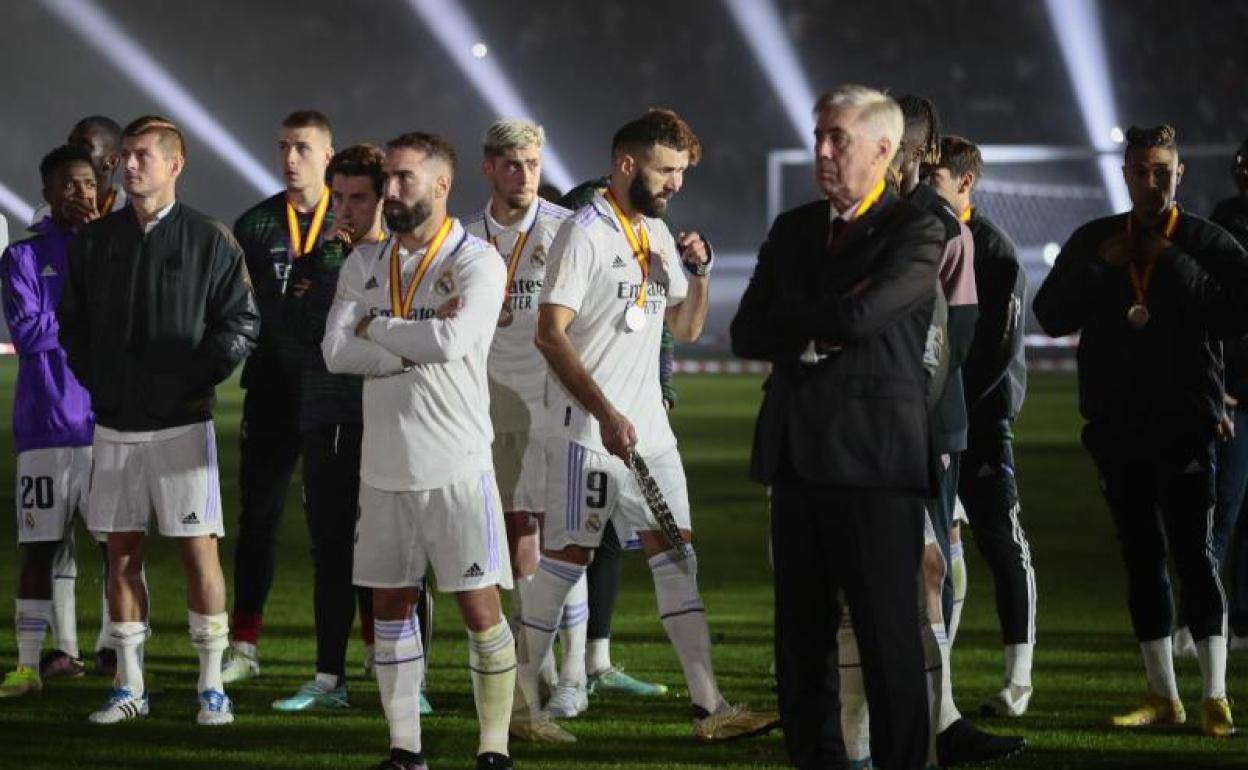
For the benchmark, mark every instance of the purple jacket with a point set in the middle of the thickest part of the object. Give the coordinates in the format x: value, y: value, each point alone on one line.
x: 50, y: 408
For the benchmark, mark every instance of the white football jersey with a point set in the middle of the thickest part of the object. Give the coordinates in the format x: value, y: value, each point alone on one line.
x: 426, y: 425
x: 516, y: 366
x: 593, y: 271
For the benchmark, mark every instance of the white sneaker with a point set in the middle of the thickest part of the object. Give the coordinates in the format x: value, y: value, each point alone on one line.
x: 121, y: 705
x: 568, y: 701
x: 1184, y: 645
x: 1011, y: 701
x: 238, y: 665
x: 215, y: 708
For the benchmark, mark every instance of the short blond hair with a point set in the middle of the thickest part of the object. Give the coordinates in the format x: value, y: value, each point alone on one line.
x: 878, y: 111
x: 512, y: 134
x: 168, y: 134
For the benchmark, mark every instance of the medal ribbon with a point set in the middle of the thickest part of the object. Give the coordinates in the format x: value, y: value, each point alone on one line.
x: 872, y: 198
x: 965, y: 216
x: 513, y: 261
x: 109, y: 200
x: 401, y: 300
x: 640, y: 246
x: 300, y: 246
x: 1140, y: 281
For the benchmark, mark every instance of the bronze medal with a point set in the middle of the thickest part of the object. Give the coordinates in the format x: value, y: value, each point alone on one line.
x: 1138, y: 316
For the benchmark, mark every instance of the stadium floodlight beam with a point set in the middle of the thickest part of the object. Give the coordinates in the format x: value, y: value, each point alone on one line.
x: 759, y: 23
x: 459, y: 37
x: 17, y: 206
x: 1077, y: 26
x: 99, y: 30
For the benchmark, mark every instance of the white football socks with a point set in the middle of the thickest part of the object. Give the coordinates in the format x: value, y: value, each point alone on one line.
x: 684, y: 620
x: 400, y: 662
x: 572, y: 628
x: 31, y: 619
x: 210, y: 635
x: 492, y: 661
x: 1159, y: 667
x: 127, y: 638
x: 543, y: 606
x: 1211, y: 652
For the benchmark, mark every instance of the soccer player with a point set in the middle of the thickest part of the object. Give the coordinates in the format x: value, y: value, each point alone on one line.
x: 275, y: 234
x: 415, y: 316
x: 615, y: 273
x: 101, y: 137
x: 995, y: 382
x: 331, y: 424
x: 157, y: 310
x: 1147, y: 291
x: 521, y: 226
x: 52, y: 419
x: 1230, y: 543
x: 605, y: 573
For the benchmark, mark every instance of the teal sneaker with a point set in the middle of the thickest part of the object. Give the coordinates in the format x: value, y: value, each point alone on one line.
x: 426, y: 707
x: 315, y: 696
x: 615, y: 680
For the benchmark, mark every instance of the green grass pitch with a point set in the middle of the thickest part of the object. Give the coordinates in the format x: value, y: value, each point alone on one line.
x: 1087, y: 665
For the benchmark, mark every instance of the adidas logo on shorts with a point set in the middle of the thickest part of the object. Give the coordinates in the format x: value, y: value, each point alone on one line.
x: 619, y: 261
x: 474, y: 571
x: 190, y: 518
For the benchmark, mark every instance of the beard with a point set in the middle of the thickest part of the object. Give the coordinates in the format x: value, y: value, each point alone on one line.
x: 641, y: 199
x: 402, y: 218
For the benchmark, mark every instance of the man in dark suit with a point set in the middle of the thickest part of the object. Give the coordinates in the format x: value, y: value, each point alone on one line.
x: 840, y: 304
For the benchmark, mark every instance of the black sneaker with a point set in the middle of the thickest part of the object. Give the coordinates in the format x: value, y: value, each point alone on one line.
x: 403, y: 760
x: 494, y: 761
x: 106, y: 662
x: 57, y: 664
x: 963, y: 742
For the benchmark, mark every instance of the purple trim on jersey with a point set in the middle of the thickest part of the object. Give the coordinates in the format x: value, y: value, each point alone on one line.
x: 50, y: 407
x: 491, y: 531
x: 212, y: 505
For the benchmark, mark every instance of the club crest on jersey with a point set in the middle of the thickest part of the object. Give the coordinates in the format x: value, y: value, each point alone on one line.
x: 445, y: 284
x: 593, y: 523
x: 30, y: 520
x: 539, y: 255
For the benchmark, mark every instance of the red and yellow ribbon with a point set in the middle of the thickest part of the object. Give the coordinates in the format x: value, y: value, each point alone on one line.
x: 639, y: 244
x: 1140, y: 281
x: 401, y: 300
x: 302, y: 245
x: 513, y: 260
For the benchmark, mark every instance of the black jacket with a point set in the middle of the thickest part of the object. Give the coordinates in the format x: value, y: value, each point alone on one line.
x: 995, y: 373
x: 1166, y: 378
x: 152, y: 322
x: 858, y: 418
x: 1232, y: 214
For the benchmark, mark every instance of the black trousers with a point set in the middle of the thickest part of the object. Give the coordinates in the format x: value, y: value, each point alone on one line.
x: 989, y: 491
x: 1160, y: 492
x: 331, y: 494
x: 867, y: 544
x: 270, y: 440
x: 603, y: 582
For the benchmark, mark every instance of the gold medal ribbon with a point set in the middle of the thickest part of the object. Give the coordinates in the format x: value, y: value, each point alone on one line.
x: 872, y: 198
x: 639, y: 245
x: 401, y: 300
x: 300, y: 246
x: 1140, y: 281
x: 109, y: 200
x: 965, y: 216
x: 513, y: 261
